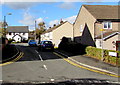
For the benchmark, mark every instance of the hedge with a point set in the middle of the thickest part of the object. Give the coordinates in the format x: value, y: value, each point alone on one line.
x: 96, y: 53
x: 74, y: 48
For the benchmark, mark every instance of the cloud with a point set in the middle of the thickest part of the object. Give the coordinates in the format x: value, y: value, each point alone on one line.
x: 51, y: 23
x: 66, y: 5
x: 70, y: 19
x: 27, y: 19
x: 39, y: 20
x: 19, y: 5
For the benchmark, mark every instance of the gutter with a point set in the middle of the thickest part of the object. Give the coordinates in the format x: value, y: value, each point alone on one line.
x: 111, y: 35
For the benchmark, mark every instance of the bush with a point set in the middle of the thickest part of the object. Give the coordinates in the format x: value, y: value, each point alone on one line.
x: 10, y: 40
x: 72, y: 47
x: 96, y: 53
x: 25, y: 41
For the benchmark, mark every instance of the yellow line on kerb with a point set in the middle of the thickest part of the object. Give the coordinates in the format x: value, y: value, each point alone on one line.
x: 77, y: 65
x: 14, y: 60
x: 11, y: 57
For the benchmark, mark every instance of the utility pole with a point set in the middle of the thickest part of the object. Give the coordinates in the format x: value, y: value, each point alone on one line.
x: 35, y: 30
x: 4, y: 23
x: 4, y: 26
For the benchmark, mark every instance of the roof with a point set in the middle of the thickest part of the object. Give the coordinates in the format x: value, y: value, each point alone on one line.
x: 103, y: 11
x: 17, y: 29
x: 53, y: 28
x: 107, y: 35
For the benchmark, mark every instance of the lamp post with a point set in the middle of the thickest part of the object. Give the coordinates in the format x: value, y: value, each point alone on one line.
x: 5, y: 24
x: 102, y: 52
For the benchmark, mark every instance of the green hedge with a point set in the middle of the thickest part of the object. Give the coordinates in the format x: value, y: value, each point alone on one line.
x: 96, y: 53
x: 93, y: 52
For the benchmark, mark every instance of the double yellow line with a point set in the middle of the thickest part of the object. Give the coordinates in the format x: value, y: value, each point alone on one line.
x: 14, y: 60
x: 90, y: 69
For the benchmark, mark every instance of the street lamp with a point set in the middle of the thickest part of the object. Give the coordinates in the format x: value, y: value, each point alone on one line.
x: 5, y: 24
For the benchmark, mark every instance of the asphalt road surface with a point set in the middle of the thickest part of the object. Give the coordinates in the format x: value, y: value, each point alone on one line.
x: 37, y: 66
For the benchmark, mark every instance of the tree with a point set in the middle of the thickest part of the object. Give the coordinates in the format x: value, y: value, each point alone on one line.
x: 3, y: 31
x: 54, y: 25
x: 40, y: 29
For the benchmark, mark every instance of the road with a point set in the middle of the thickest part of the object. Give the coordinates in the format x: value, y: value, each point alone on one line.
x: 40, y: 66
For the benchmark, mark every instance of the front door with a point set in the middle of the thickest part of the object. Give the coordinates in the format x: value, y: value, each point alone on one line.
x: 118, y: 45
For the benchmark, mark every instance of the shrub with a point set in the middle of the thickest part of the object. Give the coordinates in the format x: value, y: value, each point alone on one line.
x: 10, y: 40
x: 25, y: 41
x: 72, y: 47
x: 96, y: 53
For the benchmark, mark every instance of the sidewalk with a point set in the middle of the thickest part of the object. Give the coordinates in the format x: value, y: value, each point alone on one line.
x: 90, y: 62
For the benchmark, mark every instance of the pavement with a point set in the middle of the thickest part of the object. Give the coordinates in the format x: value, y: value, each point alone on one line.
x: 91, y: 63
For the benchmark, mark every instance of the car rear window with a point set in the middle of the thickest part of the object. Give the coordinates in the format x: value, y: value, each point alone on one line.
x: 32, y: 40
x: 47, y: 42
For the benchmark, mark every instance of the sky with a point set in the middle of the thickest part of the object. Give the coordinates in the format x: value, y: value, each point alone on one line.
x: 25, y: 13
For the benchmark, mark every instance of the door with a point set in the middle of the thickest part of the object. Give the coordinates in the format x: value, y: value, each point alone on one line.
x: 118, y: 45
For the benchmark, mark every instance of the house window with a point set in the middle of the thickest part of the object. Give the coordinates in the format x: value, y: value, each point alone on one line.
x: 107, y: 25
x: 9, y: 33
x: 81, y: 28
x: 13, y: 33
x: 23, y: 33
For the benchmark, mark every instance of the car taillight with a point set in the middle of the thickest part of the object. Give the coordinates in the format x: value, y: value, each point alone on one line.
x: 43, y: 45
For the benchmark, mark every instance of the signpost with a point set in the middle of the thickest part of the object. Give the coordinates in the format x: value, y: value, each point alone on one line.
x: 102, y: 53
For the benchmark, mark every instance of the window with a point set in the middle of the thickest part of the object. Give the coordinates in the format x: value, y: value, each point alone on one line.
x: 107, y: 25
x: 9, y: 33
x: 81, y: 28
x: 13, y: 33
x: 23, y: 33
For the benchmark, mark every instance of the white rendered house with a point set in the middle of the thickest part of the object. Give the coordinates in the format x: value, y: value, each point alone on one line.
x: 18, y: 33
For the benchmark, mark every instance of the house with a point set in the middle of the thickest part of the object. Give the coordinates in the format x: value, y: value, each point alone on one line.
x: 18, y: 33
x: 94, y: 21
x: 56, y: 33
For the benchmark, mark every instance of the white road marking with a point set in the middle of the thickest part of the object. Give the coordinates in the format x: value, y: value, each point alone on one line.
x: 52, y: 79
x: 39, y: 55
x: 45, y: 67
x: 36, y: 51
x: 41, y: 59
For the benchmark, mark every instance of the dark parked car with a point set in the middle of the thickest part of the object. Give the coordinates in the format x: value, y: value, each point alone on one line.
x: 46, y: 45
x: 32, y: 43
